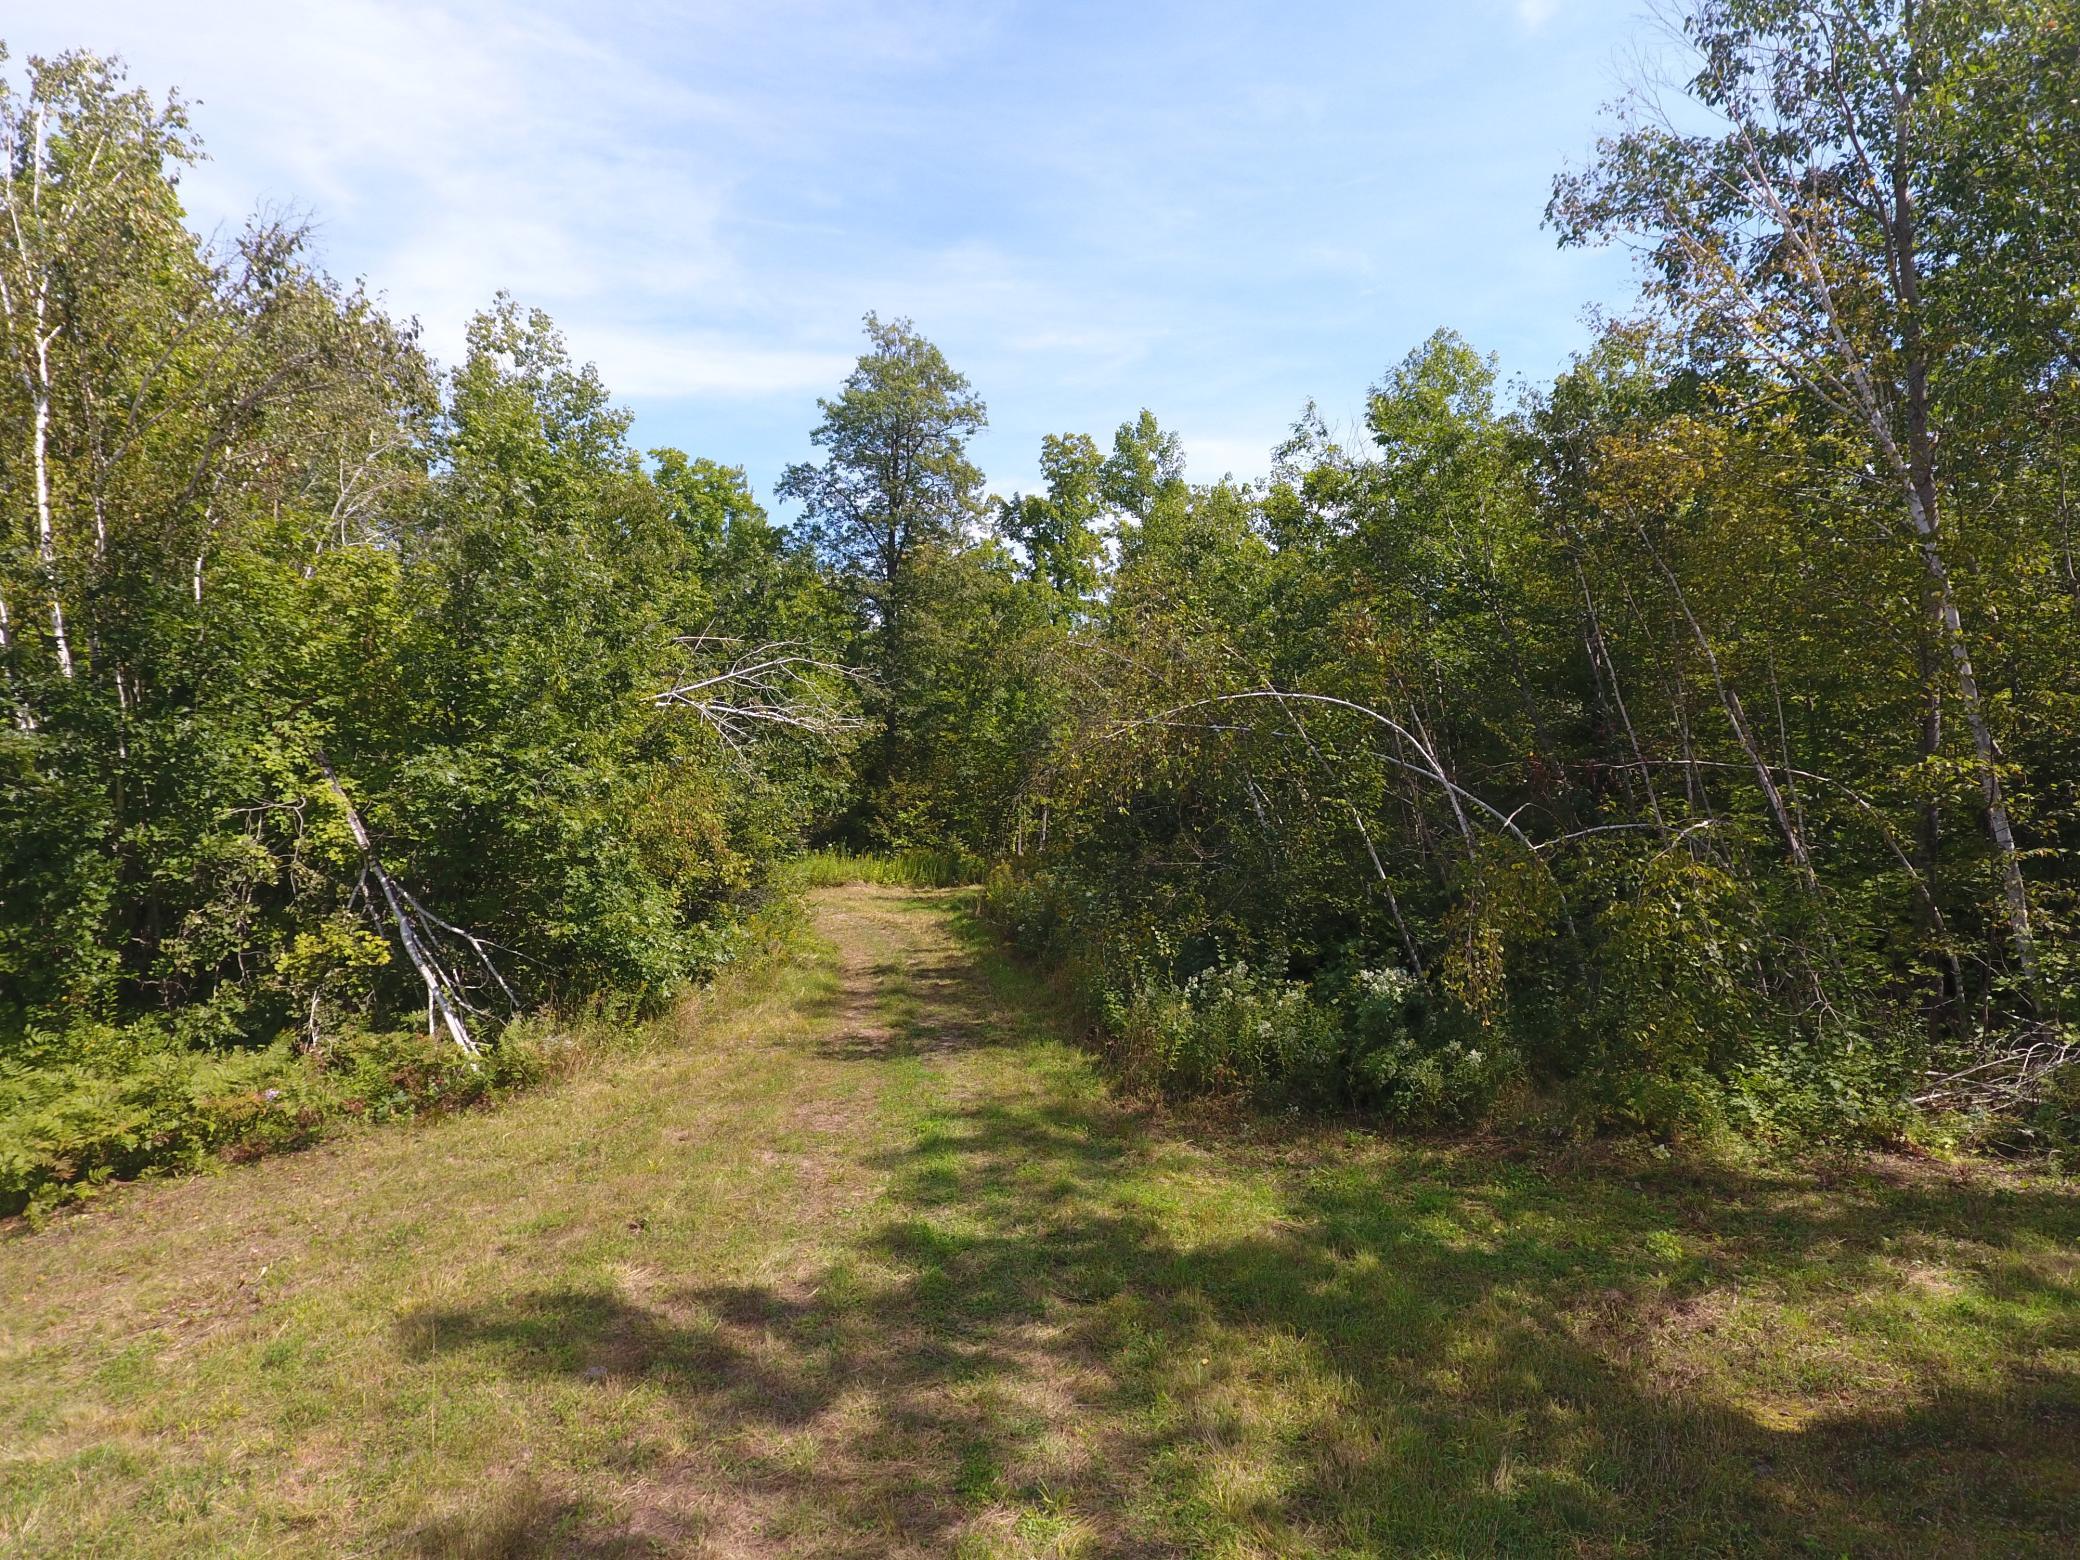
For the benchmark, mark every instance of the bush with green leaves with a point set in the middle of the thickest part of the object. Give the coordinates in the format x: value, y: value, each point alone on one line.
x: 1229, y: 1030
x: 316, y: 574
x: 134, y: 1102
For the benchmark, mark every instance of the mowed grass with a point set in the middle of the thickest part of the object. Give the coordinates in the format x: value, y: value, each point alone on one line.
x: 871, y: 1263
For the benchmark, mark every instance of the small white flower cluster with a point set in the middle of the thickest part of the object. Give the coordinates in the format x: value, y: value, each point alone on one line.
x: 1222, y: 982
x: 1386, y: 984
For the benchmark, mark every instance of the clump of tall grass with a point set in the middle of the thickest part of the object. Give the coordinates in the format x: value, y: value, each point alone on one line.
x: 901, y: 869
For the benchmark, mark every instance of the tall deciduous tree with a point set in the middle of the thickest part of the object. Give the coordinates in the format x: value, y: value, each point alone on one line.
x: 895, y: 478
x: 1061, y: 529
x: 1830, y: 234
x: 86, y: 209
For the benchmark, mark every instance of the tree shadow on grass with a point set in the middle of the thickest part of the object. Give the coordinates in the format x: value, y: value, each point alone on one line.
x: 521, y: 1521
x: 1080, y: 1330
x: 870, y: 1411
x: 1503, y: 1389
x: 1397, y: 1364
x: 942, y: 1004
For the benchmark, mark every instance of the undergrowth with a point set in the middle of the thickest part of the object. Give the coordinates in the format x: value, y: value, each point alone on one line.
x: 903, y: 869
x: 133, y: 1103
x: 1369, y: 1040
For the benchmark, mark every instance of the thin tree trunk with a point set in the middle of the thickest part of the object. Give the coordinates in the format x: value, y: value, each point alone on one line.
x: 40, y: 398
x: 1918, y: 472
x: 1914, y: 469
x: 1776, y: 694
x: 1693, y: 781
x: 1436, y: 762
x: 1545, y: 750
x: 438, y: 1001
x: 1408, y: 942
x: 1737, y: 717
x: 1946, y: 1011
x: 46, y: 534
x: 1606, y: 673
x: 2013, y: 888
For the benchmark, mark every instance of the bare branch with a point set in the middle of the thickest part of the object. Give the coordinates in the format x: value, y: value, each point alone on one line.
x: 445, y: 997
x: 774, y: 684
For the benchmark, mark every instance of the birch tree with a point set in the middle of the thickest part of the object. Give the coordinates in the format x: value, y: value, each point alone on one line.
x: 83, y: 197
x: 1814, y: 233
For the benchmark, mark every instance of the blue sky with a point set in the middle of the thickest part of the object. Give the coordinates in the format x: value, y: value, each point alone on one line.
x: 1214, y: 210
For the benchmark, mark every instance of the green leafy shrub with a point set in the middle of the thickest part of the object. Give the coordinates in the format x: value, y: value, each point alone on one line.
x: 1374, y: 1039
x: 1236, y: 1030
x: 99, y: 1103
x: 2055, y: 1117
x: 1227, y: 1030
x: 141, y: 1104
x: 1415, y: 1070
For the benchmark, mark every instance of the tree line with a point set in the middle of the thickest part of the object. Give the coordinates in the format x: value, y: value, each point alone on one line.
x: 1689, y: 743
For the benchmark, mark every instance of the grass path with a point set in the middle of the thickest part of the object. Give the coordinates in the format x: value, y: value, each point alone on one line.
x: 870, y: 1264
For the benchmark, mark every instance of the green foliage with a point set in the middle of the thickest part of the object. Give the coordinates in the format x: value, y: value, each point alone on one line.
x: 1684, y: 742
x: 2053, y: 1119
x: 101, y: 1104
x: 1060, y: 532
x: 1386, y: 1346
x: 311, y: 554
x: 1368, y: 1039
x: 897, y: 481
x: 902, y: 869
x: 133, y: 1103
x: 1225, y: 1030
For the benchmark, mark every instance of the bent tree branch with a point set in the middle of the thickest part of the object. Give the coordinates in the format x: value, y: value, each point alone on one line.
x: 774, y: 684
x: 444, y: 993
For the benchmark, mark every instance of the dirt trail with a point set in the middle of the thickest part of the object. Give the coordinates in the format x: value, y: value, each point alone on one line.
x: 776, y: 1289
x: 865, y: 1260
x: 889, y: 1399
x: 943, y: 1375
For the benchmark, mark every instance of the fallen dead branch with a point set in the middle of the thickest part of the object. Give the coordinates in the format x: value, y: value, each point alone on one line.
x: 2013, y: 1078
x: 419, y: 931
x: 774, y: 684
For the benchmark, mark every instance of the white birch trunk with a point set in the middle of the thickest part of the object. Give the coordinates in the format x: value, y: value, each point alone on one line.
x: 46, y: 531
x: 438, y: 1001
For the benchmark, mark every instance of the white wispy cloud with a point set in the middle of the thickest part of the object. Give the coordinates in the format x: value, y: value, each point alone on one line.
x: 1092, y: 208
x: 447, y: 152
x: 697, y: 363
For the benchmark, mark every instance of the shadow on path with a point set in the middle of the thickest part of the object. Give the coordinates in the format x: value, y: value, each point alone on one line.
x: 1058, y: 1338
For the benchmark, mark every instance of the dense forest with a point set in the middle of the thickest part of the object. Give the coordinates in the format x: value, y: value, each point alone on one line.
x: 1688, y: 746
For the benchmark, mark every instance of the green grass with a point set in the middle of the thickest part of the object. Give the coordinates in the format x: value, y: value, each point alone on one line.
x: 902, y: 869
x: 873, y: 1263
x: 118, y: 1113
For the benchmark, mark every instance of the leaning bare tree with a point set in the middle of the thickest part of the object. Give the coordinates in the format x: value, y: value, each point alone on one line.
x: 421, y: 933
x: 741, y: 689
